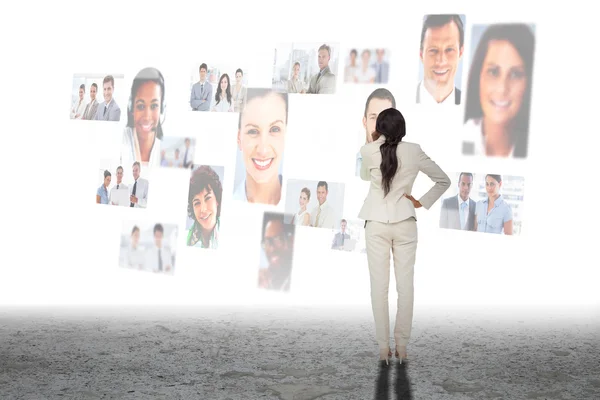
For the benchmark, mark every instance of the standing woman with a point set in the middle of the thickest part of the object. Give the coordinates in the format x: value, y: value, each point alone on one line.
x: 493, y: 215
x: 145, y: 116
x: 391, y: 223
x: 239, y: 91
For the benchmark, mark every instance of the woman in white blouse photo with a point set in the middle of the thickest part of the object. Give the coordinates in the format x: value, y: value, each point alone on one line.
x: 295, y: 85
x: 79, y: 106
x: 239, y: 91
x: 261, y: 135
x: 223, y: 98
x: 145, y: 117
x: 302, y: 217
x: 365, y: 73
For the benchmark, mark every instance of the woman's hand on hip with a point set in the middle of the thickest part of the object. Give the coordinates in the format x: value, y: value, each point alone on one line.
x: 414, y: 201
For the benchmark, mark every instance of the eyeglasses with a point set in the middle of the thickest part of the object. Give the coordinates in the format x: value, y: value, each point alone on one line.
x: 275, y: 241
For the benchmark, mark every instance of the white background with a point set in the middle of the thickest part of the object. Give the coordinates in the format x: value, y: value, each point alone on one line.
x: 60, y: 247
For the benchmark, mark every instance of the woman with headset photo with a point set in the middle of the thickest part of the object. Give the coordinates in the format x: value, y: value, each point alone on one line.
x: 145, y: 116
x: 391, y: 166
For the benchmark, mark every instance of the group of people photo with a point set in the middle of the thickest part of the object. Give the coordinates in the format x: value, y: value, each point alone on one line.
x: 85, y: 105
x: 118, y: 193
x: 217, y: 90
x: 149, y: 247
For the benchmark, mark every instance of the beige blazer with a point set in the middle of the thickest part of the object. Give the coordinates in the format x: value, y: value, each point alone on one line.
x: 395, y: 207
x: 324, y: 84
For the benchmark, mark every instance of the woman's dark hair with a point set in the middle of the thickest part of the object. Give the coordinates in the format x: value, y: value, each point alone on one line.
x: 135, y: 228
x: 255, y: 93
x: 204, y: 177
x: 227, y: 91
x: 147, y: 75
x: 497, y: 178
x: 240, y: 71
x: 390, y: 123
x: 523, y: 40
x: 106, y: 173
x: 82, y: 86
x: 306, y: 191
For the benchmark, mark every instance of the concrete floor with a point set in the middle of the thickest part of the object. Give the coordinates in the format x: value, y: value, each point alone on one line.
x: 294, y: 354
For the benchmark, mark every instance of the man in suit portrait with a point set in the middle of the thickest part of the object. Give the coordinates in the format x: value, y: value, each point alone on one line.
x: 382, y: 67
x: 341, y: 237
x: 201, y: 95
x: 139, y: 190
x: 92, y: 108
x: 380, y: 99
x: 442, y: 45
x: 108, y: 110
x: 324, y: 81
x: 458, y: 212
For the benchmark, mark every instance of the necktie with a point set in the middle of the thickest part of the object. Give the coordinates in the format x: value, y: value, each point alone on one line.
x: 117, y: 186
x: 317, y: 219
x: 105, y: 110
x: 379, y: 73
x: 463, y: 217
x: 133, y: 192
x: 185, y: 157
x: 343, y: 237
x: 159, y: 261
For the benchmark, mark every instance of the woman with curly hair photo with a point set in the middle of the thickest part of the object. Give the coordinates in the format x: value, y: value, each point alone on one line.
x: 204, y: 208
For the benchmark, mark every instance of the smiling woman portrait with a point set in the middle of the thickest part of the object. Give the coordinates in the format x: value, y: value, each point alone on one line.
x: 204, y: 208
x: 261, y: 140
x: 145, y: 117
x: 499, y: 93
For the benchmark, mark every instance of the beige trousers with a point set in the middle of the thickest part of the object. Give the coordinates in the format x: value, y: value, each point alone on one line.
x: 401, y: 239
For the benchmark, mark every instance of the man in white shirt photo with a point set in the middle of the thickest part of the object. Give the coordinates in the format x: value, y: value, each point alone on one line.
x: 114, y: 199
x: 159, y: 257
x: 322, y: 215
x: 442, y: 45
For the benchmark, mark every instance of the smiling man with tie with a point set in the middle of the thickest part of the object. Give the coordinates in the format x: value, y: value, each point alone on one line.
x: 201, y: 92
x: 139, y: 192
x: 458, y: 212
x: 108, y: 110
